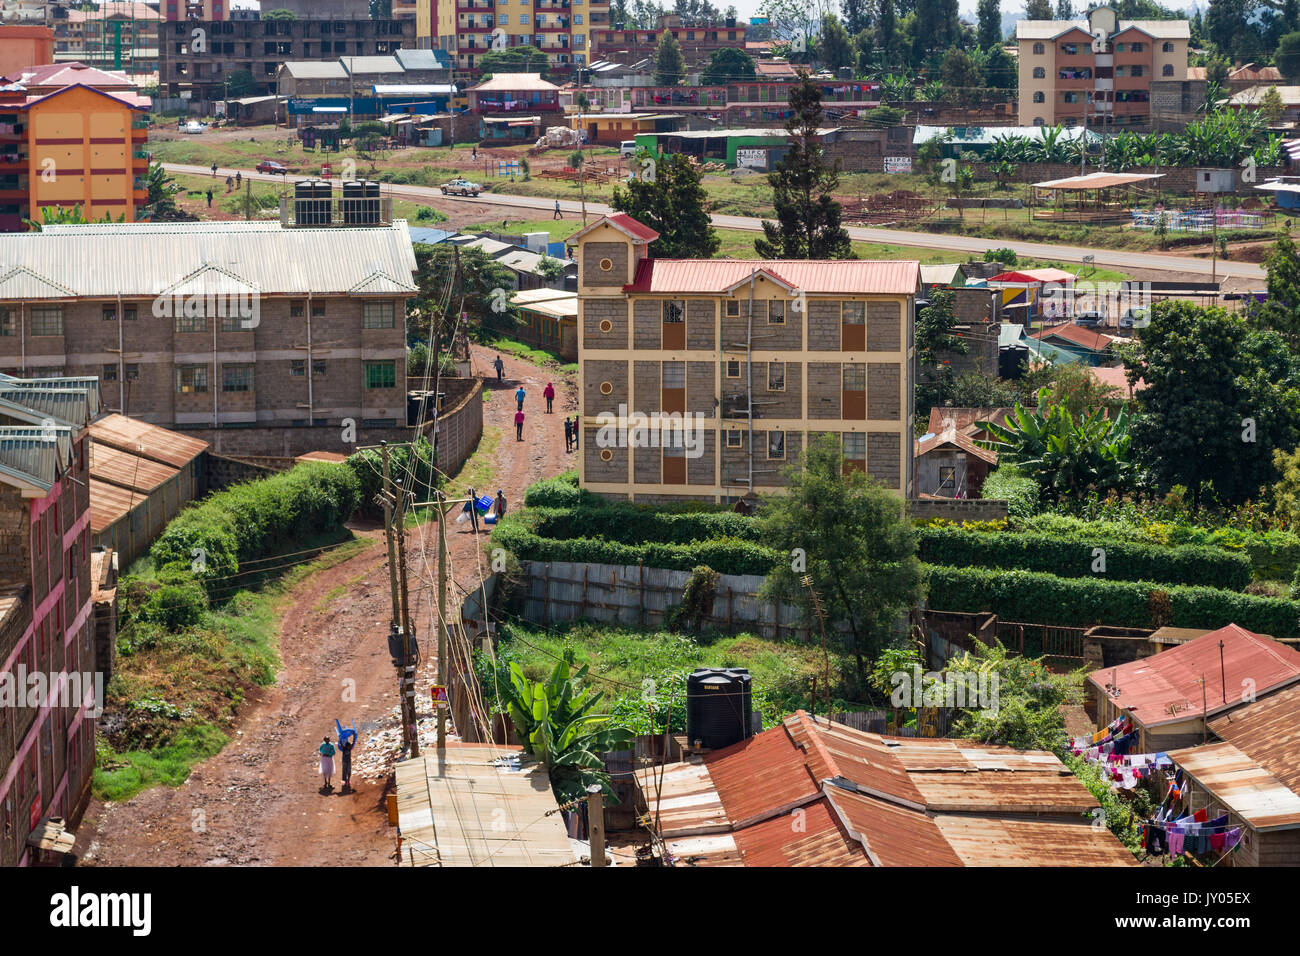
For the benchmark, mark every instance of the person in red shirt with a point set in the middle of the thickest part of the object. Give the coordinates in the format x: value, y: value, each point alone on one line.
x: 548, y: 393
x: 519, y: 425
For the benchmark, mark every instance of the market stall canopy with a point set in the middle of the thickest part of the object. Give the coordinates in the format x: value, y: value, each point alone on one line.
x: 1097, y: 181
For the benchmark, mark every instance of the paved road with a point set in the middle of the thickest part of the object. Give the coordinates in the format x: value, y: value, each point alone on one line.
x: 1122, y: 259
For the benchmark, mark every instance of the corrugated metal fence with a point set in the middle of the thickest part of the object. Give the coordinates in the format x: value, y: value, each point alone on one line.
x: 637, y: 596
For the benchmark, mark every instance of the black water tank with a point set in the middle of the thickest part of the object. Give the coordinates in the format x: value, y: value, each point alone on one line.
x: 718, y: 706
x: 352, y: 203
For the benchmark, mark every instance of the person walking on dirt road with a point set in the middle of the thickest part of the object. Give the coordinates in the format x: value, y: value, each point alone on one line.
x: 558, y: 214
x: 500, y: 366
x: 568, y: 435
x: 346, y: 743
x: 326, y: 750
x: 501, y: 504
x: 548, y: 393
x: 575, y: 432
x: 520, y: 394
x: 519, y: 423
x: 214, y: 170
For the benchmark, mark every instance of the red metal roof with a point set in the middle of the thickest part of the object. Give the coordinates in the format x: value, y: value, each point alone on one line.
x: 761, y: 777
x: 1088, y: 339
x: 1165, y: 688
x: 1031, y: 276
x: 924, y: 446
x: 964, y: 419
x: 810, y: 836
x: 835, y: 751
x: 893, y: 835
x: 815, y: 276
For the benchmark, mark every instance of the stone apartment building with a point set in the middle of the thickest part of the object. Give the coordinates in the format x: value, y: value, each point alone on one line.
x: 47, y: 741
x: 199, y: 63
x: 265, y: 338
x: 1103, y: 71
x: 830, y: 344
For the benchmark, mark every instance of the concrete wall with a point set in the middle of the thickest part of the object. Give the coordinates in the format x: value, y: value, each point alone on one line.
x: 959, y: 509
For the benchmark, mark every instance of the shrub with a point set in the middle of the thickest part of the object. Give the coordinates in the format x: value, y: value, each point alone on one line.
x: 1018, y: 490
x: 1074, y: 557
x: 256, y: 519
x: 559, y: 492
x: 176, y: 603
x: 413, y: 464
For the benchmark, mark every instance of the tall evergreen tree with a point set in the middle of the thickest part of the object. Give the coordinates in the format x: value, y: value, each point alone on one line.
x: 857, y: 15
x: 989, y: 15
x: 887, y: 32
x: 1038, y: 9
x: 670, y: 65
x: 672, y: 202
x: 836, y: 47
x: 808, y: 217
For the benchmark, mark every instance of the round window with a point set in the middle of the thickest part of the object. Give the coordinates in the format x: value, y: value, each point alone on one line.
x: 606, y: 388
x: 606, y: 455
x: 606, y: 265
x: 606, y: 325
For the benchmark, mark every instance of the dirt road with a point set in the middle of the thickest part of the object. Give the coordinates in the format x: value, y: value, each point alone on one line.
x: 258, y: 801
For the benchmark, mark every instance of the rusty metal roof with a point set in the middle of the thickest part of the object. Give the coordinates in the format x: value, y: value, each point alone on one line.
x: 1242, y: 785
x: 892, y: 835
x: 809, y: 836
x: 761, y: 777
x: 818, y: 277
x: 838, y: 752
x: 109, y: 504
x: 148, y: 441
x: 127, y: 470
x: 1267, y: 731
x: 1017, y: 841
x: 1165, y: 688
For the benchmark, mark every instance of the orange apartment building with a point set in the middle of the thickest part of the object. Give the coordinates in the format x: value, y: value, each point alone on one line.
x: 1103, y: 71
x: 24, y: 46
x: 71, y: 135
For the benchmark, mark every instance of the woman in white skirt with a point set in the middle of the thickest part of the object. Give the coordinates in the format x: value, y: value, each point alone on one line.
x: 327, y: 762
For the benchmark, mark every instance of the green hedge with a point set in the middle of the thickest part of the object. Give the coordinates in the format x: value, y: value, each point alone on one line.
x: 417, y: 460
x: 257, y: 519
x: 725, y: 555
x: 562, y: 491
x: 1273, y: 554
x: 1019, y: 491
x: 1064, y: 557
x: 1045, y: 598
x: 633, y: 525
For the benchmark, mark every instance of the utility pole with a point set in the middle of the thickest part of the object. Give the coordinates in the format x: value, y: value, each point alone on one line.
x: 401, y: 645
x: 442, y: 620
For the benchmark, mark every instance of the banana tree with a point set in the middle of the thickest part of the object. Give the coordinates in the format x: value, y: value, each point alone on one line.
x: 556, y: 724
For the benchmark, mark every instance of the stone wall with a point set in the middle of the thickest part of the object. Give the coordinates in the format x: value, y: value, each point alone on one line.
x: 957, y: 509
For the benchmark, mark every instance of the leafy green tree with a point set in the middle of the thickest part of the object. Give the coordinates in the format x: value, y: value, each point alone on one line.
x: 857, y: 15
x: 1281, y: 311
x: 850, y: 536
x: 1287, y: 57
x: 1038, y: 10
x: 1219, y: 399
x: 808, y: 216
x: 887, y: 38
x: 936, y: 326
x: 1069, y: 457
x: 988, y: 32
x: 160, y: 205
x: 670, y: 65
x: 1270, y: 104
x: 728, y: 65
x: 836, y: 48
x: 240, y: 83
x: 1000, y: 71
x: 556, y: 723
x: 487, y: 286
x: 674, y: 203
x: 1029, y: 712
x: 515, y: 59
x: 961, y: 76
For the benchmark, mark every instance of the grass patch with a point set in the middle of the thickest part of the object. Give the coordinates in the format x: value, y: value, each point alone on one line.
x: 533, y: 354
x: 175, y: 696
x: 623, y: 660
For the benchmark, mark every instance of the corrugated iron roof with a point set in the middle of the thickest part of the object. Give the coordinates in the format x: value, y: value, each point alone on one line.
x: 813, y: 838
x: 836, y: 752
x: 892, y: 835
x: 761, y: 777
x: 121, y: 468
x: 35, y: 456
x: 1016, y: 841
x: 832, y: 277
x: 148, y: 441
x: 145, y: 259
x: 1097, y: 181
x: 1166, y: 687
x: 1267, y: 731
x: 1241, y: 784
x: 515, y: 83
x: 634, y: 229
x: 1085, y: 338
x: 110, y: 504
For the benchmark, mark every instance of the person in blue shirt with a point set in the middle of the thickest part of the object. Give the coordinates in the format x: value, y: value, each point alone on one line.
x: 326, y: 750
x: 519, y: 397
